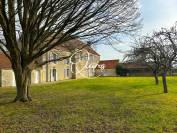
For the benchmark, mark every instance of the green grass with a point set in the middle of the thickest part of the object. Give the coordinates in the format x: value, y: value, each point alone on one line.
x: 111, y: 105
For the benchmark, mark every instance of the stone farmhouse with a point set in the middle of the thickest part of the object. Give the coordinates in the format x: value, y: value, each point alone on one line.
x: 82, y: 66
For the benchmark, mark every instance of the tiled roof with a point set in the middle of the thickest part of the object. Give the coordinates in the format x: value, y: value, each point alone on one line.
x: 109, y: 64
x: 76, y: 43
x: 133, y: 65
x: 4, y: 62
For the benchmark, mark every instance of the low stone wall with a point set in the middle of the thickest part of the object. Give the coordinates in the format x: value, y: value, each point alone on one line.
x: 109, y: 72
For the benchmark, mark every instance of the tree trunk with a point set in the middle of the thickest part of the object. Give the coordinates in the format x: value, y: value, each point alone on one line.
x: 164, y: 82
x: 156, y: 79
x: 23, y: 82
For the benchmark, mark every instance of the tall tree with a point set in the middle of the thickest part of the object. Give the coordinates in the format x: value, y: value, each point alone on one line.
x: 31, y: 28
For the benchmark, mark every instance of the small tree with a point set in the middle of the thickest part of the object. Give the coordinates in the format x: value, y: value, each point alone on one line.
x: 165, y: 42
x: 143, y: 53
x: 158, y: 51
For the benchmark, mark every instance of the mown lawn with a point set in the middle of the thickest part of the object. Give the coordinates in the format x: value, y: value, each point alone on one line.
x: 110, y: 105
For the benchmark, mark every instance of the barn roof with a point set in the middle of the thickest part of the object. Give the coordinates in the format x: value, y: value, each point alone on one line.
x: 109, y: 64
x: 4, y: 62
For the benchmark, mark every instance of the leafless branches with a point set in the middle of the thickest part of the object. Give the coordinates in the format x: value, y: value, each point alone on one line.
x: 44, y: 24
x: 158, y: 51
x: 30, y: 28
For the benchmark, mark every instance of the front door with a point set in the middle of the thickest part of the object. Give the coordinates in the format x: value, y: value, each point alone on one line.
x: 53, y: 74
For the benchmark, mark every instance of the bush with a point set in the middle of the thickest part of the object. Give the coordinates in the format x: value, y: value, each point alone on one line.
x: 121, y: 71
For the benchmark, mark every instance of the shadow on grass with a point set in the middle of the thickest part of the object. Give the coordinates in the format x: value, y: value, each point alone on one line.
x: 148, y: 95
x: 6, y: 103
x: 6, y: 99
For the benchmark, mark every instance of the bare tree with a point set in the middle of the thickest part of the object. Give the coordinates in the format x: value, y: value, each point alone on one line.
x: 33, y: 27
x: 144, y: 53
x: 165, y: 42
x: 158, y: 51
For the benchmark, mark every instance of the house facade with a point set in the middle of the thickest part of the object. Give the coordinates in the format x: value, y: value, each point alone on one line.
x: 57, y: 70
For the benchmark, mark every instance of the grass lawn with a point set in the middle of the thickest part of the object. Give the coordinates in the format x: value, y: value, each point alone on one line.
x: 111, y: 105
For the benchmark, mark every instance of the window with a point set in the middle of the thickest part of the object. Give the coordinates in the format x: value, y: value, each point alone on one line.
x: 67, y: 73
x: 54, y: 56
x: 86, y: 57
x: 77, y: 57
x: 91, y: 58
x: 67, y: 61
x: 37, y: 76
x: 83, y: 56
x: 53, y: 74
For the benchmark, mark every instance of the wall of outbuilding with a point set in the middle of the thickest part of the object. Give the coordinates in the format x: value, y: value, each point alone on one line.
x: 7, y: 78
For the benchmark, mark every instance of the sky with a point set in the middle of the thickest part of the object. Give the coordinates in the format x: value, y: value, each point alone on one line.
x: 155, y: 14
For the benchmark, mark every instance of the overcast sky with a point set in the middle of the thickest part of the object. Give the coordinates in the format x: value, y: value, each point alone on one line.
x: 155, y: 14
